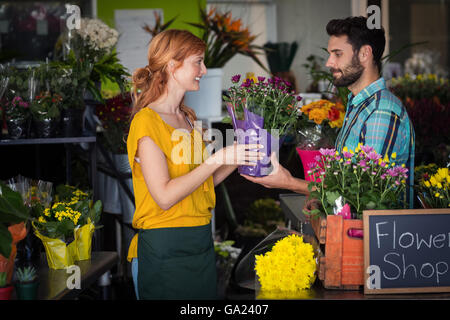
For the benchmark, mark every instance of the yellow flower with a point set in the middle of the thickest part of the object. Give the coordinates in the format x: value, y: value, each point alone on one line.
x: 394, y: 155
x: 437, y: 194
x: 41, y: 219
x: 290, y: 266
x: 427, y: 184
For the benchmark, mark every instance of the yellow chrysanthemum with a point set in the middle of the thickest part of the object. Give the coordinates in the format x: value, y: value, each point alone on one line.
x: 290, y: 266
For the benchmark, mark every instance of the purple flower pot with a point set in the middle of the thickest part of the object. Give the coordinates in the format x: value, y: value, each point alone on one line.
x: 251, y: 131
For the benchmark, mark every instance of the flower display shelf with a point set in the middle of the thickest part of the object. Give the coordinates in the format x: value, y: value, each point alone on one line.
x: 341, y: 265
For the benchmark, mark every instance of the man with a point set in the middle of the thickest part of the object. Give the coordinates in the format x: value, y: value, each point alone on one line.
x: 374, y: 116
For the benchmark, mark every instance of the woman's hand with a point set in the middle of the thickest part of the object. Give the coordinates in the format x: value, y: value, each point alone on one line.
x: 237, y: 154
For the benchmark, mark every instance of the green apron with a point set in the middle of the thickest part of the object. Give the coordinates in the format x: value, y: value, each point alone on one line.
x: 176, y: 263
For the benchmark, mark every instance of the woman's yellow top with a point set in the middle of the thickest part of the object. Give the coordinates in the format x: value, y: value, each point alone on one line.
x: 184, y: 152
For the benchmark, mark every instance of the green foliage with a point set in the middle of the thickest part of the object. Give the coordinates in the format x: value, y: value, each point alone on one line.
x: 26, y: 274
x: 280, y: 55
x: 262, y: 217
x: 12, y: 211
x: 3, y: 279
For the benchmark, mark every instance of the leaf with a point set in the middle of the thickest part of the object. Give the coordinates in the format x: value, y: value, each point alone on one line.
x: 5, y: 241
x: 12, y: 208
x: 332, y: 197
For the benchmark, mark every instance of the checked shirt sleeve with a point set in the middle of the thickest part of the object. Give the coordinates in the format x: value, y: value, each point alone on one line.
x: 380, y: 131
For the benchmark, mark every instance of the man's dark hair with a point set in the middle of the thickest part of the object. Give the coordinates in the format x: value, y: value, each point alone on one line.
x: 355, y: 28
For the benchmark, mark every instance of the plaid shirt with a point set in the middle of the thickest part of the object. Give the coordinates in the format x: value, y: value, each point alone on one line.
x: 377, y: 118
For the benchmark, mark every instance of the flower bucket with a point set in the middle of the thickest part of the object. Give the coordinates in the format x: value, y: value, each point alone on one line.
x: 17, y: 128
x: 59, y: 254
x: 45, y: 128
x: 308, y: 159
x: 72, y: 122
x: 83, y: 241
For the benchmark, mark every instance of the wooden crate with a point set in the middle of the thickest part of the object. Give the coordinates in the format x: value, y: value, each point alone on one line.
x: 341, y: 265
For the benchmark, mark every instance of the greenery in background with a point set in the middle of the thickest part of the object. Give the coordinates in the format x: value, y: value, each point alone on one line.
x: 427, y: 100
x: 18, y: 85
x: 422, y: 86
x: 280, y: 55
x: 262, y: 217
x: 12, y: 211
x: 224, y: 38
x: 158, y: 27
x: 67, y: 78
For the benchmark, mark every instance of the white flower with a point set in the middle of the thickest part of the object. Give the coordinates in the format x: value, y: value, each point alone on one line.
x: 99, y: 35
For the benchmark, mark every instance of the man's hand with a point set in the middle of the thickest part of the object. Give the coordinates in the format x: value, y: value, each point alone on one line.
x: 279, y: 178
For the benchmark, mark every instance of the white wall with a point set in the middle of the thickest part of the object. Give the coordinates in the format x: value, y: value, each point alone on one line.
x: 304, y: 21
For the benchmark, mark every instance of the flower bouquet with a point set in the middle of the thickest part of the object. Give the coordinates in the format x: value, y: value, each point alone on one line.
x: 355, y: 181
x: 261, y: 112
x: 318, y: 127
x: 282, y: 265
x: 433, y: 187
x: 66, y: 227
x: 95, y: 43
x: 45, y: 111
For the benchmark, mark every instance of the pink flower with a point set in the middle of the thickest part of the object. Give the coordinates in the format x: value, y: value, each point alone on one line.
x: 327, y: 152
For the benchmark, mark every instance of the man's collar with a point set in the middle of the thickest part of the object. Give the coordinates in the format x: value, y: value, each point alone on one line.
x: 367, y: 92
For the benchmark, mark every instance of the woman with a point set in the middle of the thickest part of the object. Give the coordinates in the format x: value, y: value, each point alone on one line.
x: 174, y: 194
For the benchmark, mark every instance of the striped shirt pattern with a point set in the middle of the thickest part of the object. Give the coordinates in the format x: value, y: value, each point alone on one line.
x: 377, y: 118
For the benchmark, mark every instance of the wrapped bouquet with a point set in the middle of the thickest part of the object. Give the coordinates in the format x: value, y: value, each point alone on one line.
x: 318, y: 127
x: 261, y: 111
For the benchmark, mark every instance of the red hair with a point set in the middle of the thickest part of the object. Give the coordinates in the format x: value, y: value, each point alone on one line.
x: 150, y: 82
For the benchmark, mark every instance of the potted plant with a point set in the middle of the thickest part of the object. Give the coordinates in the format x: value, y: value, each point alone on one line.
x: 5, y: 288
x: 114, y: 116
x: 45, y: 111
x: 13, y: 215
x: 280, y: 56
x: 67, y: 226
x: 261, y: 112
x: 432, y: 184
x: 318, y: 127
x: 27, y: 283
x: 17, y: 117
x: 224, y: 37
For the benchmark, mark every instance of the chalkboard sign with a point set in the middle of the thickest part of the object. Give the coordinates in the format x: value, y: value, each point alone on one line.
x: 406, y: 251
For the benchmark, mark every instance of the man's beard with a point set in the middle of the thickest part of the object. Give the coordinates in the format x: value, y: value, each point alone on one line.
x: 350, y: 74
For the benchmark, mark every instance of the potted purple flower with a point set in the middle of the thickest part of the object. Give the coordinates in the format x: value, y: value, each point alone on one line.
x: 17, y: 116
x: 261, y: 111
